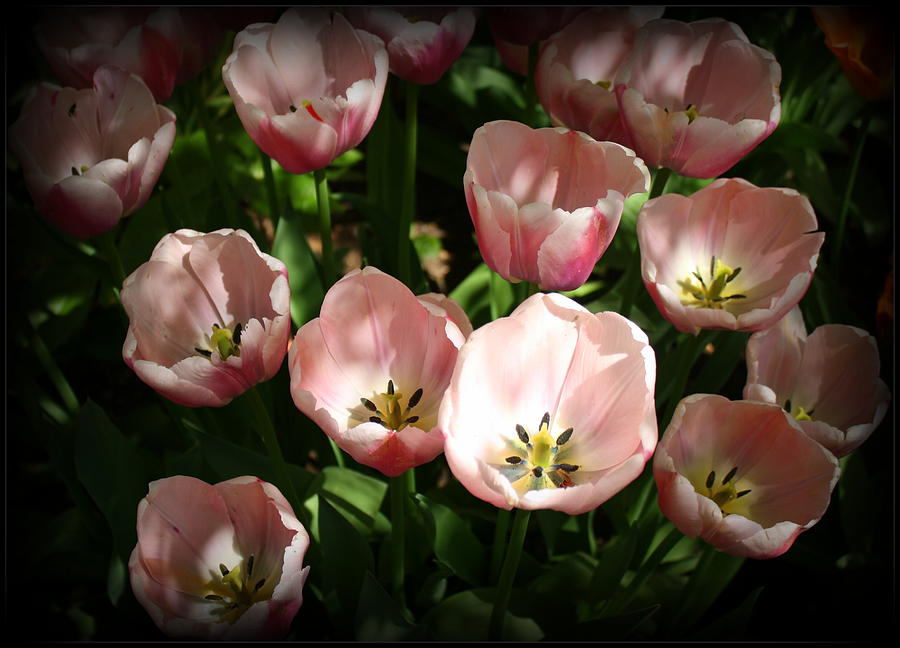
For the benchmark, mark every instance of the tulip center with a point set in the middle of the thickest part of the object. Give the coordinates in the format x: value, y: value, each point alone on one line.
x: 725, y: 492
x: 710, y: 293
x: 603, y: 84
x: 537, y: 464
x: 389, y: 411
x: 223, y: 340
x: 235, y: 591
x: 309, y: 108
x: 798, y: 412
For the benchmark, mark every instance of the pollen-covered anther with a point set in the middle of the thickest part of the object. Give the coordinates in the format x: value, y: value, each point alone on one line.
x: 701, y: 293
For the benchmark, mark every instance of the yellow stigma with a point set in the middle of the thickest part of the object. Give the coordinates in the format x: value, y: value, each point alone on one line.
x: 223, y: 341
x: 235, y: 591
x: 726, y: 494
x: 691, y: 112
x: 803, y: 415
x: 604, y: 84
x: 392, y: 415
x: 709, y: 294
x: 536, y: 463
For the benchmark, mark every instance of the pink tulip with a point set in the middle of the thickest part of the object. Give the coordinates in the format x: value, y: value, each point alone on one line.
x: 551, y: 407
x: 219, y: 562
x: 546, y: 202
x: 372, y: 368
x: 697, y: 97
x: 209, y: 317
x: 732, y: 256
x: 828, y: 381
x: 578, y: 64
x: 422, y: 42
x: 741, y: 475
x: 76, y: 41
x: 307, y: 88
x: 92, y: 156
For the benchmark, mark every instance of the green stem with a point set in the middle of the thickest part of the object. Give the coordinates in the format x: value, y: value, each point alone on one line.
x: 500, y: 531
x: 691, y: 347
x: 530, y: 89
x: 591, y: 539
x: 837, y: 246
x: 408, y: 204
x: 107, y: 244
x: 508, y: 574
x: 644, y: 572
x: 267, y: 432
x: 45, y: 357
x: 632, y: 279
x: 399, y: 495
x: 220, y: 173
x: 338, y: 453
x: 271, y: 193
x: 324, y: 206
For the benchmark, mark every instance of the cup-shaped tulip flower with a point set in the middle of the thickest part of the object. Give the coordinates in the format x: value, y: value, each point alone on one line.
x: 732, y: 256
x: 209, y: 317
x: 221, y: 561
x: 551, y: 407
x: 306, y: 88
x: 742, y: 475
x: 578, y: 64
x: 546, y: 202
x: 697, y: 97
x: 92, y: 156
x: 422, y: 42
x: 371, y: 370
x: 78, y: 40
x: 827, y: 380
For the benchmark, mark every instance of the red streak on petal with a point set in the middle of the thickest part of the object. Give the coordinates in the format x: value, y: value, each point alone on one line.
x: 312, y: 111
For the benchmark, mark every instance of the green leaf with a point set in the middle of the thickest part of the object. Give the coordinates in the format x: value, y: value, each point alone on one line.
x: 613, y: 628
x: 613, y: 562
x: 112, y: 472
x: 465, y: 617
x: 714, y: 571
x: 143, y: 230
x: 454, y: 543
x: 731, y: 625
x: 358, y: 497
x: 380, y: 618
x: 115, y: 579
x: 291, y: 247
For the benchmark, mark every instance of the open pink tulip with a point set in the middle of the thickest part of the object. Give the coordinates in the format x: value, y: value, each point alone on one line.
x: 742, y: 475
x: 578, y: 64
x: 92, y: 156
x: 372, y: 368
x: 78, y: 40
x: 306, y: 88
x: 828, y: 381
x: 222, y: 561
x: 546, y: 202
x: 209, y: 317
x: 697, y: 97
x: 422, y: 42
x: 551, y: 407
x: 732, y: 256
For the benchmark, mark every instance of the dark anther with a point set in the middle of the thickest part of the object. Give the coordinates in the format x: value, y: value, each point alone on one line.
x: 537, y: 471
x: 203, y: 352
x: 712, y: 267
x: 523, y: 435
x: 737, y: 296
x: 411, y: 419
x: 237, y: 334
x: 369, y: 404
x: 213, y: 597
x: 71, y: 110
x: 258, y: 586
x: 545, y: 420
x: 697, y: 296
x: 75, y: 171
x: 293, y: 108
x: 250, y: 565
x: 216, y: 326
x: 711, y: 479
x: 375, y: 419
x: 742, y: 493
x: 567, y: 467
x: 223, y: 569
x: 734, y: 274
x: 390, y: 387
x: 811, y: 412
x: 513, y: 460
x: 787, y: 405
x: 415, y: 398
x: 730, y: 475
x: 700, y: 279
x: 564, y: 437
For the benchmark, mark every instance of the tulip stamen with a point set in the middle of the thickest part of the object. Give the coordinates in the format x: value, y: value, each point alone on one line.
x: 233, y: 593
x: 312, y: 111
x: 725, y: 493
x: 536, y: 467
x: 224, y: 340
x: 710, y: 294
x: 391, y: 415
x: 72, y: 110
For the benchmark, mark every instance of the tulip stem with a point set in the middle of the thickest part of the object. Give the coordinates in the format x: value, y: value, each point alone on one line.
x: 691, y: 348
x: 45, y: 357
x: 267, y: 432
x: 632, y: 278
x: 848, y: 192
x: 399, y: 493
x: 338, y: 455
x: 408, y: 204
x: 500, y: 531
x: 508, y: 573
x: 271, y: 193
x: 322, y: 200
x: 107, y: 243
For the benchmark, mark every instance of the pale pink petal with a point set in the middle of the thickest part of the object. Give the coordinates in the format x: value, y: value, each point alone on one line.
x: 774, y: 355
